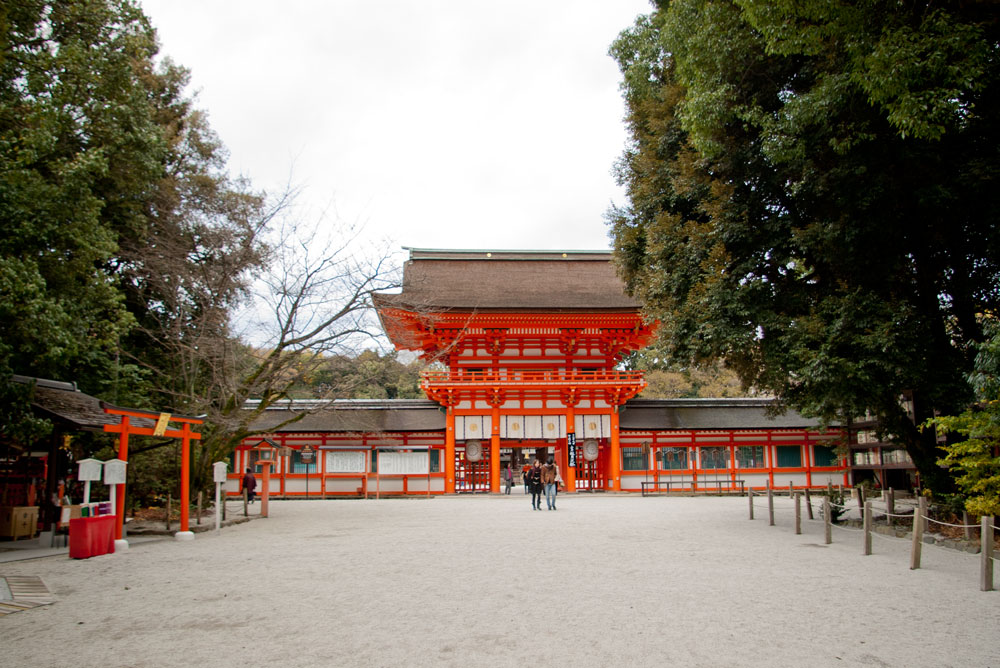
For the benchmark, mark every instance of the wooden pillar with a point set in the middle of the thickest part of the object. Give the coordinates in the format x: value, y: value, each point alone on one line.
x: 449, y: 452
x: 986, y: 553
x: 616, y: 453
x: 809, y: 460
x: 120, y: 492
x: 185, y: 475
x: 495, y: 451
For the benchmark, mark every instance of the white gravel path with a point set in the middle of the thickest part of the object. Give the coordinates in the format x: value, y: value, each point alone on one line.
x: 485, y: 581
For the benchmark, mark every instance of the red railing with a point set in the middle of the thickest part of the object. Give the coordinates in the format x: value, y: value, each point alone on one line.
x: 520, y: 377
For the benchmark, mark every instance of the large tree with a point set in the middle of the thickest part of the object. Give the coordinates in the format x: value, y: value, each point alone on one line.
x: 813, y: 197
x: 79, y: 152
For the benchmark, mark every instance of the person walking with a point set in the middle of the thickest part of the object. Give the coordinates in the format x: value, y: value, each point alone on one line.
x: 249, y: 484
x: 550, y: 473
x: 508, y: 478
x: 524, y: 476
x: 533, y: 479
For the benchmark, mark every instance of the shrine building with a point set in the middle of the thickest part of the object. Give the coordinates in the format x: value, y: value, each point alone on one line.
x: 524, y: 353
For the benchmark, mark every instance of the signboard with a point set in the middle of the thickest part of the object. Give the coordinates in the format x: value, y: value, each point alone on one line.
x: 349, y: 461
x: 114, y: 472
x: 219, y: 471
x: 306, y: 454
x: 571, y: 449
x: 90, y: 469
x: 403, y: 463
x: 162, y: 422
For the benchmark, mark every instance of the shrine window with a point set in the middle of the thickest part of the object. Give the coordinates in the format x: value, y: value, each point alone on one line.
x: 750, y: 456
x: 824, y: 455
x: 714, y: 458
x: 633, y: 459
x: 435, y: 460
x: 673, y: 458
x: 789, y: 456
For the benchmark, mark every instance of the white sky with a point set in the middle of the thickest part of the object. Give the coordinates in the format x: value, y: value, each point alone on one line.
x: 436, y: 123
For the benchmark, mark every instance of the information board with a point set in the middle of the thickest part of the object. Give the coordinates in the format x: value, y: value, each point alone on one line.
x: 350, y: 461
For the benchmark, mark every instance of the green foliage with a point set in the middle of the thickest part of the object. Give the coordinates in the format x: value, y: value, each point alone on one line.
x: 368, y: 375
x: 975, y: 460
x: 811, y: 198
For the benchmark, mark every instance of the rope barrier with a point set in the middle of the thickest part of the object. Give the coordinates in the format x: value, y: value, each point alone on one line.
x: 892, y: 538
x: 907, y: 515
x: 845, y: 528
x: 957, y: 526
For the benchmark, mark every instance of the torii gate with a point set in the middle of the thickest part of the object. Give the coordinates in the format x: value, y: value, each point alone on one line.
x: 163, y: 420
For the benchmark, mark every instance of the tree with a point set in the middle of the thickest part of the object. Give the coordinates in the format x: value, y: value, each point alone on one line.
x: 812, y: 198
x: 312, y: 301
x: 976, y: 459
x: 79, y: 148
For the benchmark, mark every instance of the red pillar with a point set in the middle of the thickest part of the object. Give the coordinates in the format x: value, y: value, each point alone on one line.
x: 185, y: 474
x: 120, y: 492
x: 449, y: 452
x: 495, y: 451
x: 616, y: 453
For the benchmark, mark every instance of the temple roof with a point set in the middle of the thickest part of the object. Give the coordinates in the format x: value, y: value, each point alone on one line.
x: 71, y: 409
x: 346, y: 415
x: 509, y: 280
x: 712, y: 413
x: 401, y: 415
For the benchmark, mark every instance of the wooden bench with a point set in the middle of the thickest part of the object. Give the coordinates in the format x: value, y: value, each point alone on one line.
x: 660, y: 485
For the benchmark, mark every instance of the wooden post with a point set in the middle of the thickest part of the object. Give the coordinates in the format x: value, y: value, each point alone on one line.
x: 791, y: 489
x: 169, y: 508
x: 197, y: 519
x: 245, y: 512
x: 986, y: 553
x: 809, y: 505
x: 966, y: 529
x: 829, y: 488
x: 770, y: 505
x: 828, y: 520
x: 890, y: 502
x: 861, y: 498
x: 750, y: 497
x: 798, y: 513
x: 918, y: 533
x: 867, y: 512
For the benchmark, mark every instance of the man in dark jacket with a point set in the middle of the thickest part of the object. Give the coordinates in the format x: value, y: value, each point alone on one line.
x: 249, y: 484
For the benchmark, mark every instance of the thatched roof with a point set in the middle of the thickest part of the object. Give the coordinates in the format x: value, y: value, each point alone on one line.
x: 473, y: 280
x: 372, y: 416
x: 649, y: 414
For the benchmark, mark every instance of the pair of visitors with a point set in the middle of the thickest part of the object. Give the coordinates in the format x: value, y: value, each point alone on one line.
x: 551, y: 479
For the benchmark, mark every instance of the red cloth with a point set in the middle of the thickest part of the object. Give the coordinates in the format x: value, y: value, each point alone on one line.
x: 91, y: 536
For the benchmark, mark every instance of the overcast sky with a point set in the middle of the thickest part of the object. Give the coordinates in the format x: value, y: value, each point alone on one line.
x: 436, y: 123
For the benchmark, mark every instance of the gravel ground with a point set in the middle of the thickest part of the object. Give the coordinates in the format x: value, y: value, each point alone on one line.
x: 485, y: 581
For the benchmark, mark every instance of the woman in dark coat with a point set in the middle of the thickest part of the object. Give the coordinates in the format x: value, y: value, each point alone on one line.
x: 534, y: 481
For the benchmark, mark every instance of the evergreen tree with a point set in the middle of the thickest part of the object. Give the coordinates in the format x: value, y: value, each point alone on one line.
x: 812, y: 197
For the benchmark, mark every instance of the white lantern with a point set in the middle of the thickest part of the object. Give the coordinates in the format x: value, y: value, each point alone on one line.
x: 220, y: 471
